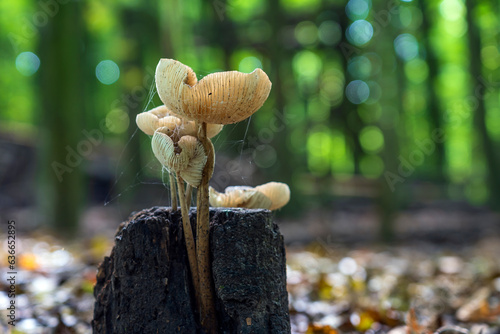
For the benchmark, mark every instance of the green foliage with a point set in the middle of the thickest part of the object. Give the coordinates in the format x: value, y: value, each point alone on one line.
x: 350, y: 109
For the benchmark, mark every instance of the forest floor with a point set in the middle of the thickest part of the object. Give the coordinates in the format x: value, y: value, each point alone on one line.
x: 411, y: 288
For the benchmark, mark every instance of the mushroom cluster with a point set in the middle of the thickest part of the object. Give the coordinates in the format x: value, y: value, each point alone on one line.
x: 193, y: 112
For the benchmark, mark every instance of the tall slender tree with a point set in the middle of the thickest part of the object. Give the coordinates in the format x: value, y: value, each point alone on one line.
x: 434, y: 109
x: 388, y: 202
x: 63, y: 150
x: 488, y: 147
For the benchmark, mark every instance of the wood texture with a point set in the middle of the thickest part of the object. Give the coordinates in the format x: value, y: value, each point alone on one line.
x: 144, y: 286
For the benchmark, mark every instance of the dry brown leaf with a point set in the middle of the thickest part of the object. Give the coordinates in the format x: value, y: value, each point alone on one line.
x: 413, y: 326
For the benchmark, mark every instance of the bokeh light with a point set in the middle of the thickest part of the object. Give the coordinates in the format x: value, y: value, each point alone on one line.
x: 332, y: 86
x: 357, y: 91
x: 371, y: 139
x: 410, y: 17
x: 27, y: 63
x: 300, y: 6
x: 347, y: 266
x: 107, y: 72
x: 240, y: 10
x: 359, y: 67
x: 405, y: 16
x: 342, y: 161
x: 306, y: 33
x: 319, y: 147
x: 358, y: 9
x: 406, y: 46
x: 452, y: 10
x: 307, y: 63
x: 359, y: 32
x: 330, y: 33
x: 416, y: 70
x: 117, y: 121
x: 248, y: 64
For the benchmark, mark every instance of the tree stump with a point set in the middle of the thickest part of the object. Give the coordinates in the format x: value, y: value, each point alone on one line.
x: 144, y: 285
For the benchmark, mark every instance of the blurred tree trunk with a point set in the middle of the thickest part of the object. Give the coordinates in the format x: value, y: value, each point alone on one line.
x: 176, y: 29
x: 347, y: 111
x: 388, y: 203
x: 222, y: 30
x: 140, y: 26
x: 63, y: 144
x: 433, y: 100
x: 478, y: 90
x: 278, y: 58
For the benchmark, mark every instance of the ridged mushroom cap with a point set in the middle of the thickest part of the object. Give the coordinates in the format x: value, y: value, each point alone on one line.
x: 239, y: 197
x: 158, y: 117
x: 186, y: 157
x: 219, y: 98
x: 277, y: 192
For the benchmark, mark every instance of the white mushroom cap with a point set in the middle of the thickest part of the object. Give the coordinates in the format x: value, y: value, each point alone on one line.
x: 277, y: 192
x: 158, y: 117
x: 272, y: 196
x: 239, y: 197
x: 219, y: 98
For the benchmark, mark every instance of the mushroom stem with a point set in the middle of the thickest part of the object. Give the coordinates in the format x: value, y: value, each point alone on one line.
x: 173, y: 193
x: 188, y: 236
x: 189, y: 192
x: 207, y: 309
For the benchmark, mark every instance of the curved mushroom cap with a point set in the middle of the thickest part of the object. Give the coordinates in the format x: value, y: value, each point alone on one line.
x: 239, y: 197
x: 277, y: 192
x: 158, y: 117
x: 161, y: 111
x: 147, y: 122
x: 186, y: 157
x: 220, y: 98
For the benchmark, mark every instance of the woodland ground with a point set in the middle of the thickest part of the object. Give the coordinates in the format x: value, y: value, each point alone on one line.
x: 441, y: 278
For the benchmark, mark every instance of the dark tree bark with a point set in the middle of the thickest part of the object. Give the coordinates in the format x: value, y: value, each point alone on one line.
x: 144, y: 285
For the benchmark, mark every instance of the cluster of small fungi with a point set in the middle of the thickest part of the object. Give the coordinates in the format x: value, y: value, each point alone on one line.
x: 193, y: 112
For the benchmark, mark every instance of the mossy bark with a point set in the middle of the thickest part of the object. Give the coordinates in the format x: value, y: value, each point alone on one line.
x: 144, y: 285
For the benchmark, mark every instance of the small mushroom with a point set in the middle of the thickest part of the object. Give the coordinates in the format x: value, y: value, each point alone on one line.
x: 239, y: 197
x: 219, y: 98
x: 158, y: 117
x: 278, y: 193
x: 185, y: 157
x: 272, y: 196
